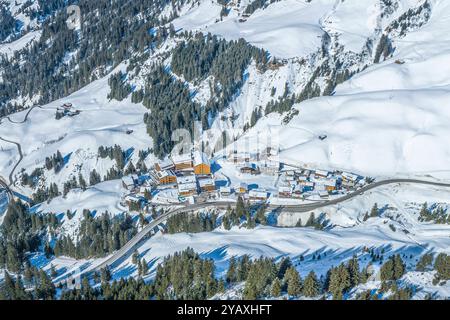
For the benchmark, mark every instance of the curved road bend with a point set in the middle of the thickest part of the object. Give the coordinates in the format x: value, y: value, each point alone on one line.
x: 129, y: 247
x: 19, y: 149
x: 26, y: 115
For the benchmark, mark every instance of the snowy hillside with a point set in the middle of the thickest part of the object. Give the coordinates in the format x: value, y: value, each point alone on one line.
x: 344, y: 91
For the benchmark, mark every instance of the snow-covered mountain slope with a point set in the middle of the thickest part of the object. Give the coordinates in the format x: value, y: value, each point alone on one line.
x: 317, y: 250
x: 366, y: 85
x: 391, y: 119
x: 287, y: 29
x: 386, y: 120
x: 101, y: 122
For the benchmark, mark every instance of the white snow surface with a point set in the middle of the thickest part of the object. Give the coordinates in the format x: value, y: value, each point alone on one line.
x: 390, y: 120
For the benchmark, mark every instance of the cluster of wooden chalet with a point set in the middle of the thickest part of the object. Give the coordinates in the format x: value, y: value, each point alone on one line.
x: 190, y: 173
x: 299, y: 182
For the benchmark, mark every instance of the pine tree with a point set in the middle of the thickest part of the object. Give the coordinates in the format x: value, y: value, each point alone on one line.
x: 442, y: 266
x: 311, y: 285
x: 144, y: 267
x: 231, y: 272
x: 353, y: 269
x: 226, y: 222
x: 275, y: 290
x: 366, y: 216
x: 45, y: 289
x: 293, y: 280
x: 399, y: 267
x: 339, y: 282
x: 374, y: 211
x: 260, y: 216
x: 105, y: 275
x: 311, y: 220
x: 135, y: 257
x: 240, y: 207
x: 82, y: 182
x: 53, y: 272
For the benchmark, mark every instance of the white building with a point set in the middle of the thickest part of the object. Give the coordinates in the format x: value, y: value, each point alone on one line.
x: 321, y: 174
x: 284, y: 192
x: 258, y: 195
x: 128, y: 183
x: 225, y: 191
x: 207, y: 185
x: 187, y: 185
x: 346, y: 176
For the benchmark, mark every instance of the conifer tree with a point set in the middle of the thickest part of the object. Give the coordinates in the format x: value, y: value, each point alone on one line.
x: 275, y: 290
x: 311, y: 287
x: 374, y: 211
x: 293, y: 281
x: 231, y: 272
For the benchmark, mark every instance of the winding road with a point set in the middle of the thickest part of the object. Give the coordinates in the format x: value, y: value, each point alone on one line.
x: 19, y: 149
x: 131, y: 246
x: 134, y: 243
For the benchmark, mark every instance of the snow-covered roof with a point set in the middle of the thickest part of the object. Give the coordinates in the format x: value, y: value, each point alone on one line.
x: 284, y: 189
x: 322, y: 173
x: 330, y: 183
x: 128, y: 181
x: 350, y: 176
x: 206, y: 182
x: 165, y: 164
x: 187, y: 187
x: 186, y: 179
x: 164, y: 173
x: 182, y: 158
x: 252, y: 166
x: 271, y: 164
x: 258, y: 193
x: 200, y: 158
x: 241, y: 185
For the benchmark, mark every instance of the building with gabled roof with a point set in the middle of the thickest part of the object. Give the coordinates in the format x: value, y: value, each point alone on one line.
x: 241, y: 188
x: 128, y: 182
x: 187, y: 189
x: 251, y: 168
x: 207, y: 185
x: 258, y: 195
x: 187, y: 185
x: 166, y: 164
x: 183, y: 161
x: 201, y: 163
x: 321, y: 174
x: 284, y: 192
x: 166, y: 177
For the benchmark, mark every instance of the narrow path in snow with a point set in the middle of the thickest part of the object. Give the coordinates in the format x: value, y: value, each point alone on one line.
x: 19, y: 149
